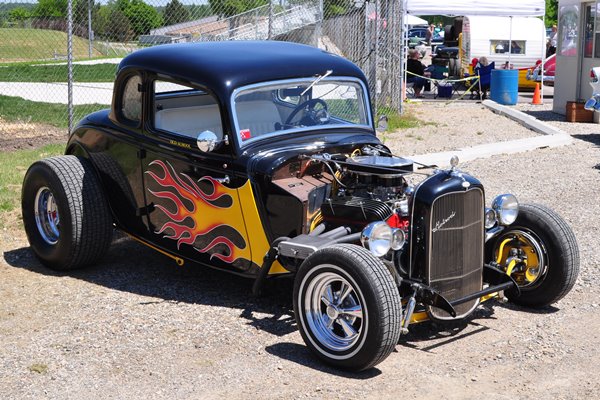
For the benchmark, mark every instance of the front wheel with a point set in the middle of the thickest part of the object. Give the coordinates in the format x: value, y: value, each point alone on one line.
x: 540, y: 252
x: 347, y: 307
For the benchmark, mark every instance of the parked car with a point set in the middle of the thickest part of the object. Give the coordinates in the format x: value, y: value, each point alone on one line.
x: 417, y: 36
x: 535, y: 73
x: 261, y: 159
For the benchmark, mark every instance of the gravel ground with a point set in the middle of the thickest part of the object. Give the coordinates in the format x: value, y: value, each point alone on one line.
x: 24, y: 135
x: 137, y: 326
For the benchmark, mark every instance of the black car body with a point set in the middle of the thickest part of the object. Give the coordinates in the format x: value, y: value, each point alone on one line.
x: 261, y: 158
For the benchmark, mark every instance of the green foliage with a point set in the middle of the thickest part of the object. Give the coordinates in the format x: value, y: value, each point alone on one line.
x: 399, y: 121
x: 336, y: 7
x: 229, y: 8
x: 80, y: 11
x: 13, y: 165
x: 198, y: 11
x: 19, y: 14
x: 141, y: 16
x: 551, y: 12
x: 111, y: 24
x: 175, y: 13
x: 51, y: 9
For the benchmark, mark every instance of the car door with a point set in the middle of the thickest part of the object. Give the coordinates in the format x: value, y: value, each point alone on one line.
x: 192, y: 195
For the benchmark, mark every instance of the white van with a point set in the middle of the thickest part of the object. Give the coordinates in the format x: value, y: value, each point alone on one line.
x: 492, y: 37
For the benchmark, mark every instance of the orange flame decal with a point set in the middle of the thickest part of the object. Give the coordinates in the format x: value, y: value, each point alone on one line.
x: 205, y: 214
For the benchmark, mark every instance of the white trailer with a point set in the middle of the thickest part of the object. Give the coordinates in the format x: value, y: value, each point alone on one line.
x: 518, y: 40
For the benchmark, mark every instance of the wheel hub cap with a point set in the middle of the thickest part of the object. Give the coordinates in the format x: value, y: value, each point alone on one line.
x: 334, y: 311
x: 47, y: 218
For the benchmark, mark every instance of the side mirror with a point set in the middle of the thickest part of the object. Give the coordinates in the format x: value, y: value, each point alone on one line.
x: 382, y: 123
x: 207, y: 141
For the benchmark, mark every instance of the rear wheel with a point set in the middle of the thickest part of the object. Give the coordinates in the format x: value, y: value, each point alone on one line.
x: 347, y: 307
x: 540, y: 252
x: 65, y: 214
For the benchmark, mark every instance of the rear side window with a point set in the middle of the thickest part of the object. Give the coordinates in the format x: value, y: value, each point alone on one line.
x: 131, y: 100
x: 185, y: 111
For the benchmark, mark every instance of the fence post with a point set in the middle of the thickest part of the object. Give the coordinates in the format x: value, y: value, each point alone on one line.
x: 270, y: 32
x: 90, y: 33
x: 70, y: 63
x: 319, y: 24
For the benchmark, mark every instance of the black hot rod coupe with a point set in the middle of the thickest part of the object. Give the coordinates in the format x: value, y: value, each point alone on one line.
x: 261, y: 158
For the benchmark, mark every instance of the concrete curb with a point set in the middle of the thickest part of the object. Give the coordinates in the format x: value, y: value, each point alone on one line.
x: 488, y: 150
x: 524, y: 119
x: 552, y: 137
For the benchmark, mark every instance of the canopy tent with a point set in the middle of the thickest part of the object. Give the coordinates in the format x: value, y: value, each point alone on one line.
x: 414, y: 20
x: 507, y: 8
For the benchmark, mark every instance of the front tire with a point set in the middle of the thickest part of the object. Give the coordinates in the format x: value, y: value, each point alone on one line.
x: 547, y: 243
x: 347, y: 307
x: 66, y: 217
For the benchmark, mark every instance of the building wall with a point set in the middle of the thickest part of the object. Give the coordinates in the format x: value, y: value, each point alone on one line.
x: 578, y: 51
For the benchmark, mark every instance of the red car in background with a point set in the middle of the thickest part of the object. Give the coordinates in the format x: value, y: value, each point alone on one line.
x: 535, y: 73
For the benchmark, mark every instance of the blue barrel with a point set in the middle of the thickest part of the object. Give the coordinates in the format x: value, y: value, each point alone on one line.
x: 504, y: 86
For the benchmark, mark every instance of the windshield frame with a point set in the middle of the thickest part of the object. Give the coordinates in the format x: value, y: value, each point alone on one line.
x: 307, y: 80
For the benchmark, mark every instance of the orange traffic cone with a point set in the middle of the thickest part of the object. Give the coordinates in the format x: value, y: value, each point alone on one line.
x: 536, y: 95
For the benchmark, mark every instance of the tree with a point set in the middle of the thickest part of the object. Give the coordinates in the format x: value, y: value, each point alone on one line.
x: 230, y: 8
x: 80, y: 11
x: 175, y: 13
x: 141, y: 16
x: 111, y: 24
x: 551, y: 12
x: 50, y: 9
x: 19, y: 15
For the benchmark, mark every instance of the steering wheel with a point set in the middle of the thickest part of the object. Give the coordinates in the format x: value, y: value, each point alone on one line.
x: 312, y: 117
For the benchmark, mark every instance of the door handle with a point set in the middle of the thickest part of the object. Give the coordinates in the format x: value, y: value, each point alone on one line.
x: 224, y: 180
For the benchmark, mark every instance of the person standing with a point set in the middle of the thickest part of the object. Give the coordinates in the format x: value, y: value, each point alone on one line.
x: 429, y: 34
x: 553, y: 40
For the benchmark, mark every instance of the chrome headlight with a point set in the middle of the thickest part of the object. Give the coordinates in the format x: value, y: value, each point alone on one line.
x: 377, y: 238
x: 506, y: 207
x: 490, y: 218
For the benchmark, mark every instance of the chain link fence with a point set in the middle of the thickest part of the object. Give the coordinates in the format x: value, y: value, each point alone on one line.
x: 51, y: 78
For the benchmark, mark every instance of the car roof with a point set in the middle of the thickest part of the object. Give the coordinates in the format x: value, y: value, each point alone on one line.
x: 225, y: 66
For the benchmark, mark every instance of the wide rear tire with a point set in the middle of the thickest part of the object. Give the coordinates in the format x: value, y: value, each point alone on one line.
x: 347, y: 307
x: 66, y: 217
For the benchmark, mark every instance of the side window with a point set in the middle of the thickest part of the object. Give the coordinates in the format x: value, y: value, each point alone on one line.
x: 185, y: 111
x: 131, y: 101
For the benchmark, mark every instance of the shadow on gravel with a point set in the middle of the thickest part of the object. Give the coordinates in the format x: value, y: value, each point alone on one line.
x: 301, y: 355
x: 545, y: 115
x: 443, y: 333
x: 593, y: 138
x: 132, y: 267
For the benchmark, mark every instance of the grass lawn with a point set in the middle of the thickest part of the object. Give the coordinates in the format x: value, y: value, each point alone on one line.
x: 57, y: 73
x: 18, y: 109
x: 18, y: 44
x: 13, y: 165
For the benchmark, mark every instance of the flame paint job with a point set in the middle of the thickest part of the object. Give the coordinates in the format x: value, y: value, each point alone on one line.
x: 202, y: 215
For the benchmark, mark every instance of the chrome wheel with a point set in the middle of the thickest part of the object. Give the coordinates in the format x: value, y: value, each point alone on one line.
x: 47, y: 219
x: 334, y: 310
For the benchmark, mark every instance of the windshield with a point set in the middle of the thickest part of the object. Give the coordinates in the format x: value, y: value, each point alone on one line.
x: 321, y: 103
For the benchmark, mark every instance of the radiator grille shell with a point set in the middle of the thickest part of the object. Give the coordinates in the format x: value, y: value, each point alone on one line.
x: 455, y: 248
